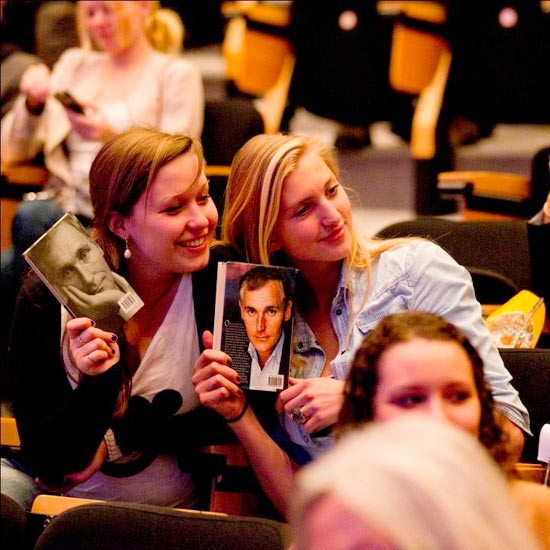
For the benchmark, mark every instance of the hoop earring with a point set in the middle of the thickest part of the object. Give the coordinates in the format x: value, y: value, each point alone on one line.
x: 127, y: 252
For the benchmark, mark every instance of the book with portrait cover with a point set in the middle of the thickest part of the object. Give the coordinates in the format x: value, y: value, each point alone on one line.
x: 253, y: 322
x: 72, y: 266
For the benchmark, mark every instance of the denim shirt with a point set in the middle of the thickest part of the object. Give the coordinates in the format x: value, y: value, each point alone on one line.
x: 416, y: 276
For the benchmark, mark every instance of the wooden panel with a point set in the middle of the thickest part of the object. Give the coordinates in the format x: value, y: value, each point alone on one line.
x: 8, y: 435
x: 479, y: 215
x: 264, y: 56
x: 235, y: 504
x: 414, y: 58
x: 8, y: 208
x: 227, y: 500
x: 501, y: 185
x: 433, y: 12
x: 234, y: 454
x: 531, y: 472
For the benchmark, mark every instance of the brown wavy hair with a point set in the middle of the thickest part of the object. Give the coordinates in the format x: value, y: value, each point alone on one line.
x: 362, y: 382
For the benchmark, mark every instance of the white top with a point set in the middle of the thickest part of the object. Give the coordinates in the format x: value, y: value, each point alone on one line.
x: 168, y: 96
x: 170, y: 358
x: 167, y: 364
x: 82, y: 153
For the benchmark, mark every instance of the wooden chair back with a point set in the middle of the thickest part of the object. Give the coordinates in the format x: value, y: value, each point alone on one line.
x: 123, y: 525
x: 259, y: 58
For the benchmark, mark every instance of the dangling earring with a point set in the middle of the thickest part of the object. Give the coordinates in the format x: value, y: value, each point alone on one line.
x: 127, y: 251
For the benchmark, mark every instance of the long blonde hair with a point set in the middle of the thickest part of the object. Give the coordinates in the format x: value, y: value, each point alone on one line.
x: 163, y: 27
x: 253, y: 199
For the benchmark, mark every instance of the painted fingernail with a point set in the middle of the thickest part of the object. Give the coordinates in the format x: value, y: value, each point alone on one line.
x: 229, y: 362
x: 93, y: 322
x: 113, y: 351
x: 239, y: 380
x: 114, y: 337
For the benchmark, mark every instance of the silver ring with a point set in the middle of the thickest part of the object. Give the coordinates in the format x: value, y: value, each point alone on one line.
x: 298, y: 416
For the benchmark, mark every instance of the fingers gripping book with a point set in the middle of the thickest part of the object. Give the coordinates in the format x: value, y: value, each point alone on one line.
x: 72, y: 266
x: 253, y: 322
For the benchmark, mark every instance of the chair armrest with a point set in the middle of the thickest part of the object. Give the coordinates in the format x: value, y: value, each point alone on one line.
x: 500, y: 185
x: 217, y: 170
x: 25, y: 174
x: 53, y: 505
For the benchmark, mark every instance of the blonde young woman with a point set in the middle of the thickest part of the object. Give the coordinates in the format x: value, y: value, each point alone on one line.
x: 122, y: 77
x: 285, y: 205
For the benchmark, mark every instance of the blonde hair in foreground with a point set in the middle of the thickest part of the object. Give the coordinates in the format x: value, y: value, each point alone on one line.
x: 423, y: 484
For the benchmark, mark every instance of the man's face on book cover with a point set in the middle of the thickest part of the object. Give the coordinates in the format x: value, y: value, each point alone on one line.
x: 264, y: 312
x: 79, y: 263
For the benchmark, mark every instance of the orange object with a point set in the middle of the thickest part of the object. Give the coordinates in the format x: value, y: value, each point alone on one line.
x: 530, y: 309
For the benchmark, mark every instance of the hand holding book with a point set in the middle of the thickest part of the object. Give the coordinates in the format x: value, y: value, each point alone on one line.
x: 93, y: 351
x: 216, y: 383
x: 253, y: 322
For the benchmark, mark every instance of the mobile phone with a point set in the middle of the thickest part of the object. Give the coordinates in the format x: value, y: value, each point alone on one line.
x: 69, y: 102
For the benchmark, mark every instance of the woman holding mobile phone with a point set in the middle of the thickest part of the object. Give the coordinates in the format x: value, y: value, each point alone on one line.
x: 121, y: 77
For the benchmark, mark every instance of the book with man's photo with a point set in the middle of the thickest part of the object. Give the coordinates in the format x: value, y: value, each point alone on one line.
x: 253, y: 322
x: 73, y: 267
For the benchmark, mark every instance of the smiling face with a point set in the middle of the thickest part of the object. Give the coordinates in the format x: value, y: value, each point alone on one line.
x: 315, y: 216
x: 431, y: 377
x: 171, y: 226
x: 263, y: 311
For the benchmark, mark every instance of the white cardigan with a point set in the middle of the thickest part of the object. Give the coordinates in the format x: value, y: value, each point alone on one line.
x: 170, y: 98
